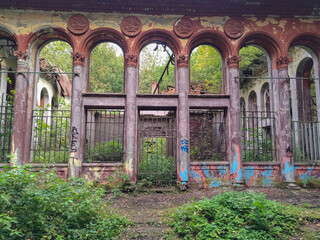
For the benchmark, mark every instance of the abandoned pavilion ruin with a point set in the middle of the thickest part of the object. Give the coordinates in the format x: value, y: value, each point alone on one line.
x: 255, y: 131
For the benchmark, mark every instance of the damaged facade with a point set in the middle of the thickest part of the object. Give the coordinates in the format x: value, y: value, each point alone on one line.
x: 182, y: 136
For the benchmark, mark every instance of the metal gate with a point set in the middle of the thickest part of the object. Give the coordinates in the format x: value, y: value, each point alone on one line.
x: 157, y: 147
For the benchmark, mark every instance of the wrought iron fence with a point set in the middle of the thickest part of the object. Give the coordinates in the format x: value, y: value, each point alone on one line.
x: 6, y: 123
x: 207, y: 134
x: 258, y: 136
x: 305, y: 141
x: 157, y: 147
x: 104, y: 135
x: 50, y: 136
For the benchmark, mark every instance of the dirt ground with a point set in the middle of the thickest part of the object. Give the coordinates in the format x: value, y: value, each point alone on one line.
x: 145, y: 210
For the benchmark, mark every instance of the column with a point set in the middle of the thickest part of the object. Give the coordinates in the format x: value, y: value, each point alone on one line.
x: 183, y: 157
x: 283, y: 121
x: 131, y: 87
x: 20, y: 150
x: 234, y: 115
x: 77, y: 128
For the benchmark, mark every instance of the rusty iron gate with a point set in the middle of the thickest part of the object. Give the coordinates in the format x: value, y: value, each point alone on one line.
x: 157, y: 147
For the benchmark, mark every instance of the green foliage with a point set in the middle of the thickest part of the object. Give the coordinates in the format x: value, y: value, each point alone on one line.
x: 51, y: 134
x: 253, y: 62
x: 106, y: 69
x: 258, y: 147
x: 309, y: 182
x: 206, y: 69
x: 105, y: 152
x: 152, y: 65
x: 58, y: 54
x: 236, y: 215
x: 6, y: 118
x: 43, y: 206
x: 155, y: 166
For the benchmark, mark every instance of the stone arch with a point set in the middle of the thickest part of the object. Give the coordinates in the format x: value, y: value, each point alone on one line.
x: 265, y: 100
x: 155, y: 35
x: 252, y: 101
x: 266, y: 42
x: 44, y: 98
x: 36, y: 40
x: 212, y: 38
x: 99, y: 35
x: 7, y: 33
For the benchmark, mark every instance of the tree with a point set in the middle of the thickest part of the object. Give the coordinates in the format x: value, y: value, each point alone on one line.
x: 205, y: 69
x: 58, y: 53
x: 106, y: 69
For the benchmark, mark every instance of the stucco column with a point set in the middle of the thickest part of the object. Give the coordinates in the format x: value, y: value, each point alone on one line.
x: 234, y: 127
x: 77, y: 131
x: 131, y: 87
x: 19, y: 149
x: 183, y: 160
x: 283, y: 122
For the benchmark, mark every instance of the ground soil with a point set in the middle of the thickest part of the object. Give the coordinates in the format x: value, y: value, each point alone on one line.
x: 146, y: 210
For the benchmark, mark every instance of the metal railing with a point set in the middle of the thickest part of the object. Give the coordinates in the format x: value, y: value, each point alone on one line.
x: 50, y: 136
x: 104, y: 135
x: 6, y: 123
x: 258, y: 136
x: 207, y: 135
x: 157, y: 147
x: 305, y: 141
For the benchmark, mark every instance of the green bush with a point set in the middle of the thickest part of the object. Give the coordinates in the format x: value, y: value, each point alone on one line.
x: 105, y: 152
x: 43, y: 206
x: 235, y: 215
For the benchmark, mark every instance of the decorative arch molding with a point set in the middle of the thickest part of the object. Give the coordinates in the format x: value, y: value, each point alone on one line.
x: 311, y: 41
x: 99, y: 35
x: 266, y: 41
x: 33, y: 42
x: 8, y: 33
x: 157, y: 35
x: 213, y: 38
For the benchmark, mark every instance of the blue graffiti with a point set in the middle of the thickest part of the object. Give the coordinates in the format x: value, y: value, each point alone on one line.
x: 184, y: 174
x: 184, y: 142
x: 235, y: 164
x: 248, y: 174
x: 267, y: 176
x: 305, y: 176
x: 196, y: 175
x: 288, y: 171
x: 222, y: 171
x: 185, y: 148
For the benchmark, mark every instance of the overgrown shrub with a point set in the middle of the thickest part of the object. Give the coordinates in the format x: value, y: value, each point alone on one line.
x: 235, y: 215
x: 43, y: 206
x: 105, y: 152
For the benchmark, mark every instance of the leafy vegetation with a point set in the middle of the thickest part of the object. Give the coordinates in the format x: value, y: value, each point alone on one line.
x: 51, y: 134
x: 237, y: 215
x: 43, y: 206
x: 106, y: 69
x: 155, y: 166
x: 105, y: 152
x: 205, y: 70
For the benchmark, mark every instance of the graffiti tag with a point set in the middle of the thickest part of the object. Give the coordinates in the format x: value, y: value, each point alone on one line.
x: 74, y: 132
x: 184, y: 145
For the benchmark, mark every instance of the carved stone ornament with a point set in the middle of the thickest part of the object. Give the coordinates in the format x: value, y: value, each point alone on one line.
x: 183, y: 61
x: 183, y: 27
x: 23, y: 55
x: 283, y: 62
x: 233, y: 61
x: 131, y: 60
x: 131, y: 26
x: 78, y: 58
x: 233, y: 28
x: 78, y: 24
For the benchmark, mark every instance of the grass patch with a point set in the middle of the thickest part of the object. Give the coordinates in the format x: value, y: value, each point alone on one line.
x: 238, y: 215
x: 43, y: 206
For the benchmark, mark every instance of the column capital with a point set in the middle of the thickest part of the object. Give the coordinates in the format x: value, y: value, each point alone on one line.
x: 183, y: 61
x: 283, y: 62
x: 21, y: 55
x: 131, y: 60
x: 233, y: 61
x: 78, y: 58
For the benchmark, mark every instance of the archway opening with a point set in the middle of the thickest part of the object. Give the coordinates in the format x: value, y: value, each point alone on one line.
x: 205, y: 70
x: 156, y: 69
x: 106, y: 69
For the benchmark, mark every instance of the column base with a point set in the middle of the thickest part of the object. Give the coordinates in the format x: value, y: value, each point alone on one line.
x: 291, y: 185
